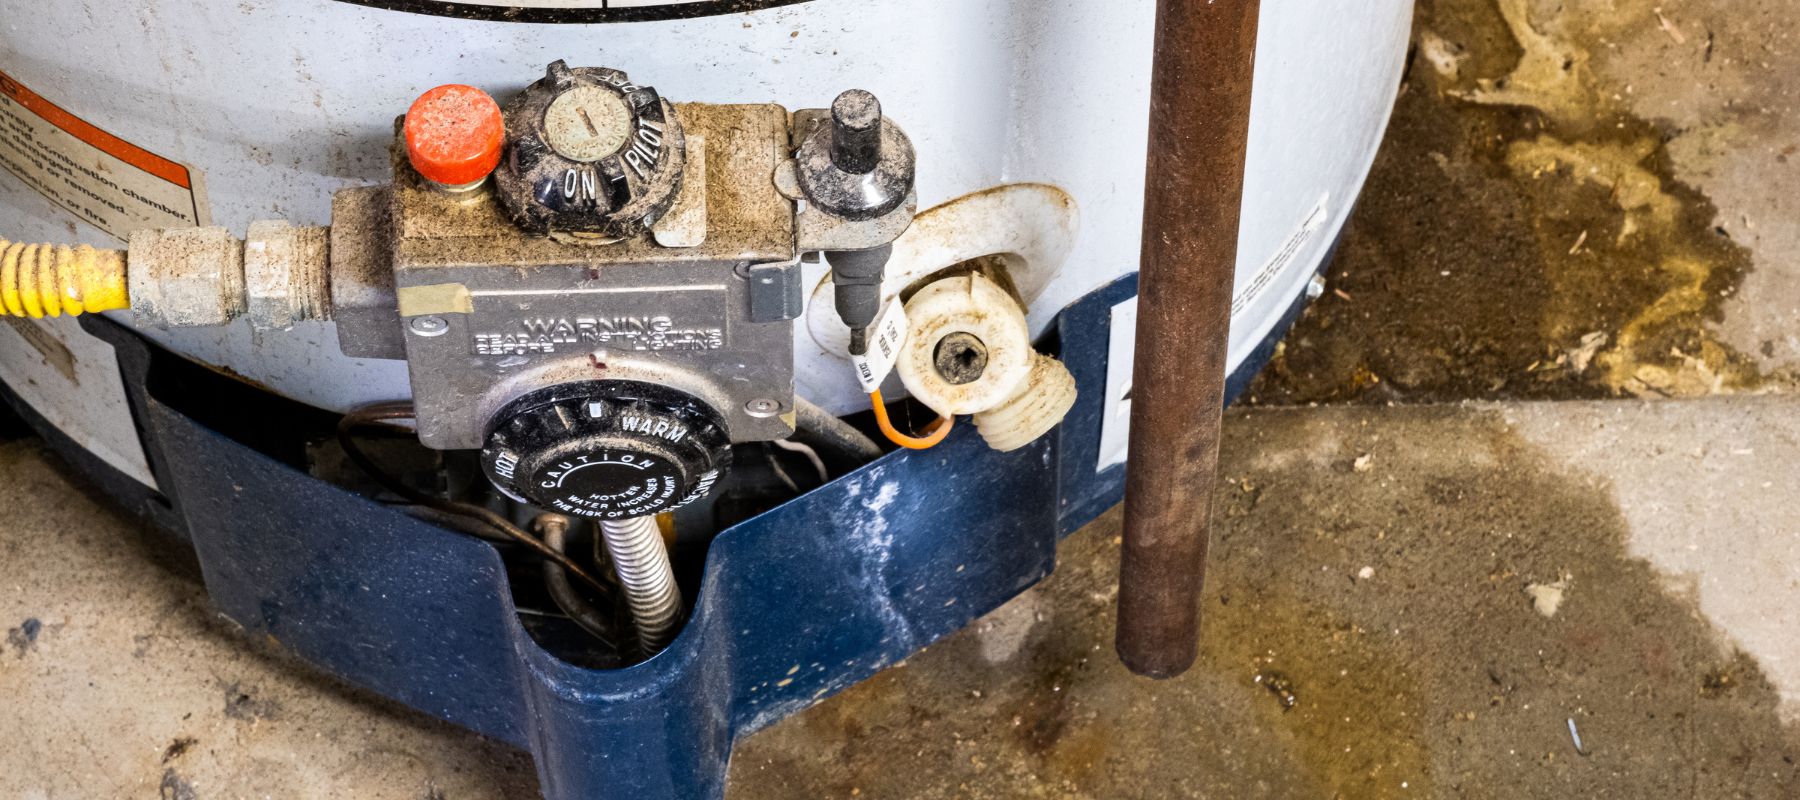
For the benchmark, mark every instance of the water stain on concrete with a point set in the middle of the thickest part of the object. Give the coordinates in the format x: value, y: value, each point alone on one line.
x: 174, y: 787
x: 247, y: 704
x: 1390, y: 602
x: 1522, y: 237
x: 178, y: 748
x: 24, y: 637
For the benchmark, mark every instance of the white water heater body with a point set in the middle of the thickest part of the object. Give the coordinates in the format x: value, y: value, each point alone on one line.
x: 267, y: 107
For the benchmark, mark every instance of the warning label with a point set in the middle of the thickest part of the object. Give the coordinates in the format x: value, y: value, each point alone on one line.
x: 116, y: 186
x: 1278, y: 263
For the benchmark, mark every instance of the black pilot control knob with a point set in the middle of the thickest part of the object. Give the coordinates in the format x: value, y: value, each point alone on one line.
x: 589, y: 152
x: 607, y: 449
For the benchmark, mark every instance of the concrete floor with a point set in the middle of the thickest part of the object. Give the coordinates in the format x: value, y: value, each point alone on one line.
x: 1378, y: 627
x: 1581, y: 203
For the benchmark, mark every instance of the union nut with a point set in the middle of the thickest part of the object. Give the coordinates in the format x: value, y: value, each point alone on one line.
x: 199, y: 277
x: 186, y: 277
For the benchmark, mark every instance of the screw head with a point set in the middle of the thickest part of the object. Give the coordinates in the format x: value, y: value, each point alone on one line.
x: 960, y: 358
x: 762, y: 408
x: 431, y: 325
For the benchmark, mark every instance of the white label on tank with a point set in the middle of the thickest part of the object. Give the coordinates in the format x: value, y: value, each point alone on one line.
x: 1115, y: 426
x: 102, y: 179
x: 885, y: 338
x: 1278, y: 263
x: 72, y: 380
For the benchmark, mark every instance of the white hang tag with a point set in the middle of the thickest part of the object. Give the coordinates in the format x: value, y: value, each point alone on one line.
x: 885, y: 338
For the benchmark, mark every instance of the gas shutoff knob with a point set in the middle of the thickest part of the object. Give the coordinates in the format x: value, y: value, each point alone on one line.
x: 454, y: 136
x: 590, y: 153
x: 607, y: 449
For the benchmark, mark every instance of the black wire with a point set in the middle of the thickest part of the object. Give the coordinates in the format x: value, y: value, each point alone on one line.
x: 556, y: 581
x: 455, y: 522
x: 827, y: 433
x: 385, y: 412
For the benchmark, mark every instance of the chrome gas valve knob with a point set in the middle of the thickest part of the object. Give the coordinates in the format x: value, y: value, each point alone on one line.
x: 857, y: 166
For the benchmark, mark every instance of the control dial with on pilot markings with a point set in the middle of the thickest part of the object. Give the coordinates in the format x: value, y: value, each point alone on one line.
x: 607, y: 449
x: 589, y: 153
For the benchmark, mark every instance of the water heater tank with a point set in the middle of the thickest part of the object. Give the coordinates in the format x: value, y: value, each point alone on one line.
x: 619, y: 244
x: 229, y: 112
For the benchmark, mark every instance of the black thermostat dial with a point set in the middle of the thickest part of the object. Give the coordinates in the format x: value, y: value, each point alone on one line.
x: 607, y: 449
x: 589, y: 152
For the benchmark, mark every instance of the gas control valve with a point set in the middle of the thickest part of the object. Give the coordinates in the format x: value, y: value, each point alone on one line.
x: 613, y: 308
x: 594, y: 286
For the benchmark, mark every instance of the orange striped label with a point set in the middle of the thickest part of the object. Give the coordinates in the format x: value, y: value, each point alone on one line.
x: 108, y: 182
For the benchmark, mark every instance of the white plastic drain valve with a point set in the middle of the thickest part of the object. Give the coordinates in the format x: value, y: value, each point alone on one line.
x: 968, y: 352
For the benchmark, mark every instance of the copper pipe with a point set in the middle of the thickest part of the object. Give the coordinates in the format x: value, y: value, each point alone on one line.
x: 1199, y: 127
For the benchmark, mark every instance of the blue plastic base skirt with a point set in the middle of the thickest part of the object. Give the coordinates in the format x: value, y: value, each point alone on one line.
x: 796, y: 604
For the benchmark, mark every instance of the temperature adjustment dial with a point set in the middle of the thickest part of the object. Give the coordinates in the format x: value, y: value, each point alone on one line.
x: 607, y: 449
x: 591, y: 153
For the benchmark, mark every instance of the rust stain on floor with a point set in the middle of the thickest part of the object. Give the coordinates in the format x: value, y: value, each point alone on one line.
x: 1369, y: 634
x: 1522, y: 236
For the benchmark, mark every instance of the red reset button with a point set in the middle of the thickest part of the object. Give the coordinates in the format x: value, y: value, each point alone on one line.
x: 454, y: 135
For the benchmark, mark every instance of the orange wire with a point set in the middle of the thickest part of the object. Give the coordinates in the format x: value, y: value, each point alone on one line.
x: 934, y: 433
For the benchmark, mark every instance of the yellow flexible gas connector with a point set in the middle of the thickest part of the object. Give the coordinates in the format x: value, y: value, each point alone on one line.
x: 39, y: 280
